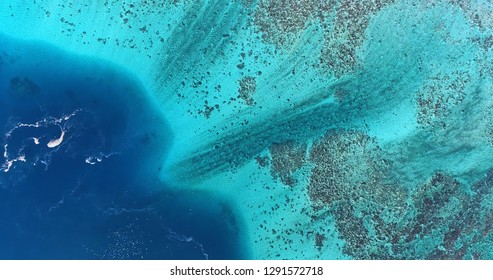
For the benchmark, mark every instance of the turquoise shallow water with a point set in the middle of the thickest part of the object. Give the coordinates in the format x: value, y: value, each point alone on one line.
x: 307, y: 129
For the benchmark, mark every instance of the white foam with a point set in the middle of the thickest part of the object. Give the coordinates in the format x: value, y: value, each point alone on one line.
x: 45, y: 122
x: 183, y: 238
x: 90, y: 161
x: 5, y: 152
x: 57, y: 205
x: 8, y: 163
x: 35, y: 125
x: 6, y: 167
x: 99, y: 158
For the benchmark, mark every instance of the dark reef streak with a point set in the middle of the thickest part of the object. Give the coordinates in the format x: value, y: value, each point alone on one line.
x: 365, y: 99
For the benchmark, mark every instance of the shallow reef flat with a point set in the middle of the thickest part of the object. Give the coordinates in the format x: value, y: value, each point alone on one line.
x: 335, y: 129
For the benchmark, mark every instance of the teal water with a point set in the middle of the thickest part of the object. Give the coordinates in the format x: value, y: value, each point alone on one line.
x: 297, y: 129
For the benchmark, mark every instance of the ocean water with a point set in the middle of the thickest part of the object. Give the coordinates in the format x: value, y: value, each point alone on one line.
x: 263, y: 129
x: 82, y: 147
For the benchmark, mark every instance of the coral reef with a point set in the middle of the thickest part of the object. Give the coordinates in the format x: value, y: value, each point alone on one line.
x: 439, y: 96
x: 287, y: 158
x: 343, y: 24
x: 246, y: 88
x: 378, y: 219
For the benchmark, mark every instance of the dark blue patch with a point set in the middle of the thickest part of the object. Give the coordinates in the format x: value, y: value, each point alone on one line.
x: 93, y: 194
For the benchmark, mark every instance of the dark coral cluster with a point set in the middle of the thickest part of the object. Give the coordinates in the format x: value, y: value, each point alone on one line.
x: 247, y: 87
x: 353, y: 184
x: 378, y: 219
x: 345, y: 161
x: 478, y: 12
x: 350, y: 178
x: 287, y: 158
x: 23, y: 86
x: 348, y: 33
x: 343, y: 24
x: 280, y: 21
x: 439, y: 96
x: 446, y: 220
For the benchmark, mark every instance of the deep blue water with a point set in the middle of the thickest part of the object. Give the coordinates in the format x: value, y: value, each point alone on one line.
x: 93, y: 194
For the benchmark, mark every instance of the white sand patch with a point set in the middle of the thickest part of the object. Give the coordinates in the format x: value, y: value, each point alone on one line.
x: 56, y: 142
